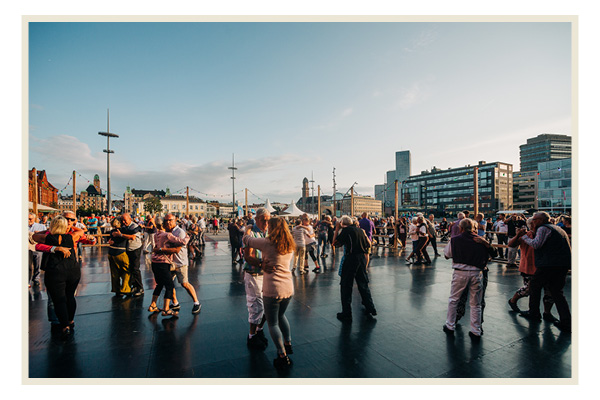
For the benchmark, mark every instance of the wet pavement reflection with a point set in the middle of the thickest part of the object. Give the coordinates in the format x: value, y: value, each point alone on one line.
x: 117, y: 338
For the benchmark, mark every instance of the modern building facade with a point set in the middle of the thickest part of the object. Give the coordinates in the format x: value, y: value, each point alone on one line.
x: 403, y: 168
x: 525, y: 190
x: 542, y: 148
x: 554, y: 186
x: 389, y: 194
x: 362, y: 204
x: 448, y: 191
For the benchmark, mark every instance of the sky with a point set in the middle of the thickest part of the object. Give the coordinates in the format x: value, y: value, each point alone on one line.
x: 290, y: 100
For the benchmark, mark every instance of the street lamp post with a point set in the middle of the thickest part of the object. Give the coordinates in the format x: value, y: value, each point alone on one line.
x: 233, y: 168
x: 108, y: 151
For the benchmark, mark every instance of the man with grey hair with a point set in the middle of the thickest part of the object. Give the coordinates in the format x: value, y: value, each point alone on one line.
x: 552, y: 252
x: 454, y: 226
x: 253, y: 281
x: 133, y: 233
x: 470, y: 254
x: 353, y: 266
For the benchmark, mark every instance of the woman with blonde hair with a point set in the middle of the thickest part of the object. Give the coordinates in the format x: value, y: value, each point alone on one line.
x: 278, y: 288
x: 62, y: 272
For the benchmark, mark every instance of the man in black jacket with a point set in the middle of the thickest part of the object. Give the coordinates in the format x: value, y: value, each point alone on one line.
x: 552, y: 250
x: 353, y: 267
x: 470, y: 254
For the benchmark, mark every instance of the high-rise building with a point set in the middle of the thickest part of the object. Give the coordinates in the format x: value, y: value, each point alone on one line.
x: 403, y: 170
x: 379, y: 192
x: 542, y: 148
x: 390, y: 177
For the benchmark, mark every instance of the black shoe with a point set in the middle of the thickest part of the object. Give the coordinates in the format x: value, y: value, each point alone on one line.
x: 137, y: 292
x: 262, y: 337
x: 288, y: 349
x: 447, y: 330
x: 372, y: 312
x: 282, y: 363
x: 344, y: 317
x: 563, y: 327
x: 175, y: 307
x: 550, y: 318
x: 532, y: 317
x: 66, y: 334
x: 474, y: 336
x: 316, y: 270
x: 196, y: 308
x: 513, y: 306
x: 256, y: 343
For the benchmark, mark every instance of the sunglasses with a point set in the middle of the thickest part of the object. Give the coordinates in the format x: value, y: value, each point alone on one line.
x: 71, y: 219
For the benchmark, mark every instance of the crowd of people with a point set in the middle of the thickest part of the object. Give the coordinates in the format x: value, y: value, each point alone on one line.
x: 272, y: 250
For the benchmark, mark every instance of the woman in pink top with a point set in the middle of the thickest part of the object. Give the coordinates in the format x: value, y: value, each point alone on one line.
x: 527, y: 269
x: 166, y: 244
x: 277, y: 251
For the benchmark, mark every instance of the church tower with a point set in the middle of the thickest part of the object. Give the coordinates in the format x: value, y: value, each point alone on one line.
x: 305, y: 193
x: 97, y: 183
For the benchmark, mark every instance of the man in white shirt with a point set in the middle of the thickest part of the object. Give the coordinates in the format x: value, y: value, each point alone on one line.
x: 180, y: 261
x: 501, y: 230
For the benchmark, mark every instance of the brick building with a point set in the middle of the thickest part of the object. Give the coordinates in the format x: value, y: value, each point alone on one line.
x: 47, y: 194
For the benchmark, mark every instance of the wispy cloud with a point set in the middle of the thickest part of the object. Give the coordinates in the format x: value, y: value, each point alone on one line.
x: 411, y: 96
x: 336, y: 119
x: 421, y: 40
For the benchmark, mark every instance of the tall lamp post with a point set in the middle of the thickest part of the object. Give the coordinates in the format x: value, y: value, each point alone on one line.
x: 233, y: 169
x: 108, y: 151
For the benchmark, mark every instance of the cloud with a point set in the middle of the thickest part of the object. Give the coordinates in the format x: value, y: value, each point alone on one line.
x: 411, y: 96
x: 421, y: 40
x: 36, y: 106
x: 60, y: 155
x: 336, y: 119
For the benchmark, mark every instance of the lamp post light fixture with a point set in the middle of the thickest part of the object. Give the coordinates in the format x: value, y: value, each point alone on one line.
x: 108, y: 151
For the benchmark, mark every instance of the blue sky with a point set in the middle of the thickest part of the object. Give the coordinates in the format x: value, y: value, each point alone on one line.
x: 288, y: 99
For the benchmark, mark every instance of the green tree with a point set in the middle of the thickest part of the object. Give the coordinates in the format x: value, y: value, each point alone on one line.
x: 153, y: 205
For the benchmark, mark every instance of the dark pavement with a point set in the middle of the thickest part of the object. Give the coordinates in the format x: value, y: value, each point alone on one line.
x: 116, y: 338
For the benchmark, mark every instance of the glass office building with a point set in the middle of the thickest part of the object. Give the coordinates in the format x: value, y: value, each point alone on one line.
x: 449, y: 191
x: 554, y: 186
x: 403, y: 165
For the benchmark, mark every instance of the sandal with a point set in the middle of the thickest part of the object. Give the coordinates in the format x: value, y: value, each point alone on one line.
x: 153, y: 309
x: 169, y: 312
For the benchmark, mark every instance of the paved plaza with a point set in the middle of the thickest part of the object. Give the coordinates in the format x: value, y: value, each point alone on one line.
x: 117, y: 338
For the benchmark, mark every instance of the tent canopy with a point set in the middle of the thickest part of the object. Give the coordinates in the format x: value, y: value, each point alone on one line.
x: 42, y: 208
x: 292, y: 211
x: 269, y: 207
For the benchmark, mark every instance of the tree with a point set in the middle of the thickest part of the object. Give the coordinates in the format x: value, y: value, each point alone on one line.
x: 153, y: 205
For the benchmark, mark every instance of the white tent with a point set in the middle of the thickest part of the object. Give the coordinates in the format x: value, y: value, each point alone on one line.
x: 269, y: 207
x: 42, y: 208
x: 292, y: 211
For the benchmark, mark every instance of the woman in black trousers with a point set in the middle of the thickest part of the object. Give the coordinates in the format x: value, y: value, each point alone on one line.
x: 62, y: 273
